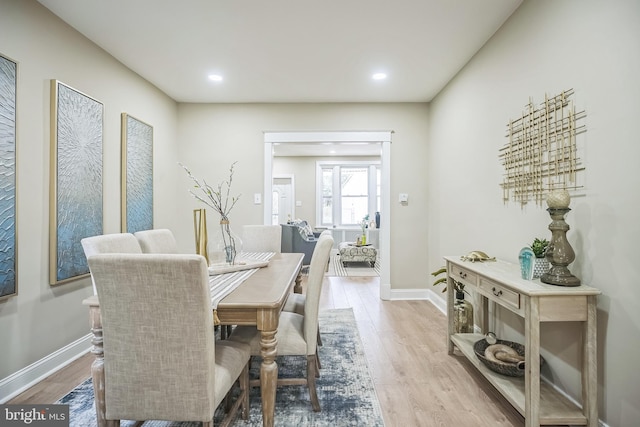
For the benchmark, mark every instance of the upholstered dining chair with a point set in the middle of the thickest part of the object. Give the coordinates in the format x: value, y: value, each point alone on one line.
x: 297, y: 334
x: 261, y: 238
x: 295, y: 302
x: 160, y: 241
x: 109, y: 244
x: 161, y: 358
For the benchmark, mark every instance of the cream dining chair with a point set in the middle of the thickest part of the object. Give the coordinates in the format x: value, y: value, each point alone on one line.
x: 297, y: 333
x: 159, y: 241
x: 295, y: 302
x: 108, y: 244
x: 161, y: 358
x: 261, y: 238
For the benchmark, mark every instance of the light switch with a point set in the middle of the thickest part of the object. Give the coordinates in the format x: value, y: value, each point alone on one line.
x: 257, y: 198
x: 404, y: 198
x: 298, y: 203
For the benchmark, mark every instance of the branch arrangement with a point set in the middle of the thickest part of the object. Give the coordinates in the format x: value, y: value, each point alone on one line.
x: 216, y: 199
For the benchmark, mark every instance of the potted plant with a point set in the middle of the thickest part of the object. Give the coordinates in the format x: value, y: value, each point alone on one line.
x: 462, y: 310
x: 541, y: 265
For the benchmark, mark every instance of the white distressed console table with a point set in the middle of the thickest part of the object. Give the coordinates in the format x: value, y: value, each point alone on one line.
x: 536, y: 302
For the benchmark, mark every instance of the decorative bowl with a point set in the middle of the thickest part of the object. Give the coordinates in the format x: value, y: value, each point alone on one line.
x: 504, y: 368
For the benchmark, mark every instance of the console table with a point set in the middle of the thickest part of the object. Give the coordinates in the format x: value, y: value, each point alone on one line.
x: 536, y: 302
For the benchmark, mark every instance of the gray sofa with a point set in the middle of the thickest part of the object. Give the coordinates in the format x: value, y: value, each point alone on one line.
x: 293, y: 241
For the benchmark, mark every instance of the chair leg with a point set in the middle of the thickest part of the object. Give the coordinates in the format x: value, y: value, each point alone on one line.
x: 317, y: 364
x: 225, y: 331
x: 319, y: 339
x: 311, y: 382
x: 244, y: 390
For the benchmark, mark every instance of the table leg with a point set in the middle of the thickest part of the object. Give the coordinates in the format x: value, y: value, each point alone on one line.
x: 590, y: 364
x: 297, y: 288
x: 532, y: 363
x: 450, y: 331
x: 268, y: 376
x: 97, y: 367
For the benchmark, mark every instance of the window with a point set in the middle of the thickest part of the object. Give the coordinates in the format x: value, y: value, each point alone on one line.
x: 347, y: 192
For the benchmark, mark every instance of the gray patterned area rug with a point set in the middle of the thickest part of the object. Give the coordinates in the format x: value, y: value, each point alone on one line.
x: 345, y: 388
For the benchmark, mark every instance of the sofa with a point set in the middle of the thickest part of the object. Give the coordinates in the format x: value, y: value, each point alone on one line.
x: 298, y: 237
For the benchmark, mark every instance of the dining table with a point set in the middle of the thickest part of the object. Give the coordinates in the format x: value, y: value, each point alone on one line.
x: 256, y: 301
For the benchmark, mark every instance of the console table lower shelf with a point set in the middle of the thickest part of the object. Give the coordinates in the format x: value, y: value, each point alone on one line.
x: 555, y: 408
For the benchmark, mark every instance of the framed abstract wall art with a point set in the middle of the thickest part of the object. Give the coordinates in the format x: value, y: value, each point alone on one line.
x: 137, y: 175
x: 8, y: 253
x: 75, y: 210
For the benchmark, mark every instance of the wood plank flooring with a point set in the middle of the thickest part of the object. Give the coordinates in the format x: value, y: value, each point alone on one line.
x: 417, y: 382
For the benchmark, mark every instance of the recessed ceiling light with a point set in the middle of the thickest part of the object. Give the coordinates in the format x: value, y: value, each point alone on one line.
x: 379, y: 76
x: 215, y: 77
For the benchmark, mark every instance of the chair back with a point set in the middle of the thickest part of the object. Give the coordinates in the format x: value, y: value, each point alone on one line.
x: 159, y: 356
x: 317, y: 268
x: 125, y: 243
x: 160, y: 241
x: 262, y: 238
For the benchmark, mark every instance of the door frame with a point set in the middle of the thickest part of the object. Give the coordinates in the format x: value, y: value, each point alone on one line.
x: 383, y: 137
x: 290, y: 177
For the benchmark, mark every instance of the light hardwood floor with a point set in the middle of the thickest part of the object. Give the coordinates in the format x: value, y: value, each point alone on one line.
x: 417, y: 382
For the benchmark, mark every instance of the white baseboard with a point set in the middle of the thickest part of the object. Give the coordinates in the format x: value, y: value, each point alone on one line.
x: 419, y: 294
x: 18, y: 382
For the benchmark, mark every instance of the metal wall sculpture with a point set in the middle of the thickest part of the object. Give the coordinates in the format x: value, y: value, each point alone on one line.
x: 542, y: 153
x: 8, y: 253
x: 137, y: 175
x: 76, y: 180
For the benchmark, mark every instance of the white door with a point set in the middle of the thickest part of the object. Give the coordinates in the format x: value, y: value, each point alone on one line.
x: 283, y: 206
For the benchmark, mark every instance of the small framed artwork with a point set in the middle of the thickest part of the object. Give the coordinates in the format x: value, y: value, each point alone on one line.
x: 8, y: 252
x: 137, y: 175
x: 75, y: 210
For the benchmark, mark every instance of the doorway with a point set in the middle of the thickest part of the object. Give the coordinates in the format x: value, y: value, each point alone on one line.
x: 336, y: 137
x: 283, y: 208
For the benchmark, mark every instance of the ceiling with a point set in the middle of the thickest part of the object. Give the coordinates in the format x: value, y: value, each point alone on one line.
x: 290, y: 50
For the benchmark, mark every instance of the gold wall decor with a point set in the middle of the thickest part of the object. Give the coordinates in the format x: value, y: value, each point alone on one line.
x: 541, y: 154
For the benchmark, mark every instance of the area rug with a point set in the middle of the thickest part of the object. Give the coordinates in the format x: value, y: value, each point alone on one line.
x: 345, y: 389
x: 353, y: 269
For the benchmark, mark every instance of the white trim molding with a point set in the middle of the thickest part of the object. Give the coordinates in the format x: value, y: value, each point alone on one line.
x: 28, y: 376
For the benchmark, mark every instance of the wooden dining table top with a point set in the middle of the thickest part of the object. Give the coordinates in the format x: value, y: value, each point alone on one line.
x: 264, y: 291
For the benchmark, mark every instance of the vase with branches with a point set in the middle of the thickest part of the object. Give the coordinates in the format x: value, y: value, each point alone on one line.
x: 221, y: 200
x: 363, y: 225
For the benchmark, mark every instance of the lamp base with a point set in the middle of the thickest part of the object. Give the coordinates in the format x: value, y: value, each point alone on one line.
x: 560, y: 276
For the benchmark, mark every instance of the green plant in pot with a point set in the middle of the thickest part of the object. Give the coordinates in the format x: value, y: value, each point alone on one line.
x: 462, y: 309
x: 541, y: 265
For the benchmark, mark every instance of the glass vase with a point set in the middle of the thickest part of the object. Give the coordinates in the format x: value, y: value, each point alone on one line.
x: 224, y: 245
x: 462, y: 315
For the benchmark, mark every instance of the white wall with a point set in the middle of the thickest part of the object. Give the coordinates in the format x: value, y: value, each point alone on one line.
x: 304, y: 171
x: 546, y: 47
x: 211, y: 137
x: 42, y: 319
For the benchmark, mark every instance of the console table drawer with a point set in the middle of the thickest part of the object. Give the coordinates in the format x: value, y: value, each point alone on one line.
x: 460, y: 274
x: 502, y: 295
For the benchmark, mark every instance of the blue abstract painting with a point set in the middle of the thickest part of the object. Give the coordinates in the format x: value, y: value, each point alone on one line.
x: 8, y: 79
x: 76, y: 180
x: 137, y: 183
